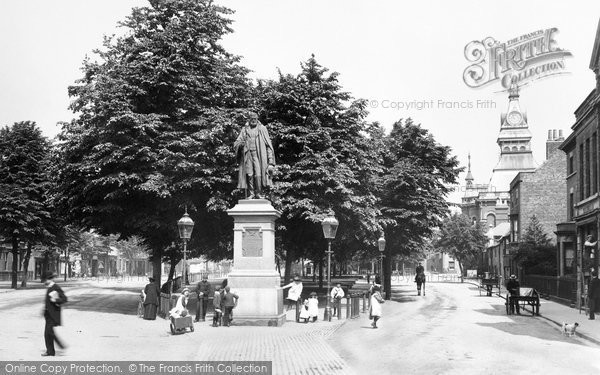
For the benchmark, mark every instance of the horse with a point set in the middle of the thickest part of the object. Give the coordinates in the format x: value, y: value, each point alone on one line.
x: 420, y: 280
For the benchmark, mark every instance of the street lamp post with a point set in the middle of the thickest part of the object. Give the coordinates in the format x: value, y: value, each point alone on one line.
x: 330, y: 225
x: 381, y: 245
x: 186, y: 226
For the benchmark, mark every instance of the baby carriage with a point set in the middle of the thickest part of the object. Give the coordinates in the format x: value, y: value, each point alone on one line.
x: 179, y: 323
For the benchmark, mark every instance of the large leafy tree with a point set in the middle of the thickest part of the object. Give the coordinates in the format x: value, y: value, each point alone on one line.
x: 324, y: 162
x: 154, y: 129
x: 25, y: 215
x: 461, y: 239
x: 413, y: 188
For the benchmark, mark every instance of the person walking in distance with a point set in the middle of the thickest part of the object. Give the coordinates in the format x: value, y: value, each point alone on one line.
x: 204, y: 290
x: 337, y: 294
x: 229, y: 302
x: 594, y: 294
x: 55, y: 298
x: 513, y: 289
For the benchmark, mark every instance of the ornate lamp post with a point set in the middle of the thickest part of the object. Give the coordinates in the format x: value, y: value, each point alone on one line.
x: 330, y: 226
x: 381, y: 245
x: 186, y: 226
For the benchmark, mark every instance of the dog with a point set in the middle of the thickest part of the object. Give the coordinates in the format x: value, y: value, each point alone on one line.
x: 569, y: 329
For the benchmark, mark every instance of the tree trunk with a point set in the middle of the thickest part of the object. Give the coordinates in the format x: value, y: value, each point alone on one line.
x: 66, y: 262
x: 289, y: 254
x: 156, y: 267
x: 15, y: 259
x: 26, y: 265
x: 321, y: 274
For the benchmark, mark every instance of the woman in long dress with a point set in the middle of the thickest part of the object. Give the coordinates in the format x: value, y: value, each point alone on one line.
x: 375, y: 309
x: 151, y: 294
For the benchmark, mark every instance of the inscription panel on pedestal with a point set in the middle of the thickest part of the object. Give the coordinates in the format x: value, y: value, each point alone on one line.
x: 252, y: 242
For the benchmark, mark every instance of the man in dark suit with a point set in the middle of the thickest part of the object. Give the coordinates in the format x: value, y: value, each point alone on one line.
x: 204, y: 290
x: 55, y: 297
x: 594, y: 294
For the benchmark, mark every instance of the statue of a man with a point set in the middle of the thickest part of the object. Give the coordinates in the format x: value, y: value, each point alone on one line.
x: 256, y: 157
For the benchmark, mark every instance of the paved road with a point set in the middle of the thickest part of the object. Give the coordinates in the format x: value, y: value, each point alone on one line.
x: 453, y: 330
x: 450, y: 331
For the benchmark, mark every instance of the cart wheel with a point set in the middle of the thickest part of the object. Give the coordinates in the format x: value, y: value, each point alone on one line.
x: 172, y: 329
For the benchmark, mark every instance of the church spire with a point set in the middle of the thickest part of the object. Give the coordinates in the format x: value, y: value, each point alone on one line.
x: 469, y: 179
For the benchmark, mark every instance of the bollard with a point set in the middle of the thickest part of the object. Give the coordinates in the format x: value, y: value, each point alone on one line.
x: 348, y: 306
x: 364, y: 309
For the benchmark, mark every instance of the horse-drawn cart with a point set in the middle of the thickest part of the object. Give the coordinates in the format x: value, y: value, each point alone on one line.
x: 527, y: 297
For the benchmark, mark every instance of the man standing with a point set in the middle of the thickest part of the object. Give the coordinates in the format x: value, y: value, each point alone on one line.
x: 55, y: 297
x: 513, y: 289
x: 256, y: 158
x: 594, y: 294
x: 229, y: 301
x: 337, y: 294
x: 204, y: 291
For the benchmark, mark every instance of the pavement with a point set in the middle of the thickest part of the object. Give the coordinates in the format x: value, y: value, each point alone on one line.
x: 557, y: 314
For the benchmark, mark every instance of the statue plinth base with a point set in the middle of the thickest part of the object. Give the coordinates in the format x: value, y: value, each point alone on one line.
x: 254, y: 277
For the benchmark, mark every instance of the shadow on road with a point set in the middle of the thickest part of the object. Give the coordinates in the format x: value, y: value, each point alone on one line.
x: 520, y: 327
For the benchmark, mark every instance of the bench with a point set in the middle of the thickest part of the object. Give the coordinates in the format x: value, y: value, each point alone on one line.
x: 527, y: 297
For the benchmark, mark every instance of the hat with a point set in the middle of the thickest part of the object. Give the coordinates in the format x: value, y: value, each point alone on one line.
x: 513, y: 277
x: 151, y: 279
x: 252, y: 115
x: 313, y: 294
x: 297, y: 278
x: 48, y: 275
x: 205, y: 276
x: 185, y: 290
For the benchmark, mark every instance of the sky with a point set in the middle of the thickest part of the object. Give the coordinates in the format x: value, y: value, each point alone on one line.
x: 387, y: 52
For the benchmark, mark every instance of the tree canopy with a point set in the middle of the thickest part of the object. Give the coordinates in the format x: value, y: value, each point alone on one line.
x: 25, y: 214
x: 461, y: 239
x: 154, y: 128
x: 324, y: 162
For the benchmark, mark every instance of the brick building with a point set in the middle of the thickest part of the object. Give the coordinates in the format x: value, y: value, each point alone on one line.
x: 540, y: 192
x: 583, y: 180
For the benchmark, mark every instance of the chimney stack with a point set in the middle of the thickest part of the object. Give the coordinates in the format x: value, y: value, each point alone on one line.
x: 555, y: 138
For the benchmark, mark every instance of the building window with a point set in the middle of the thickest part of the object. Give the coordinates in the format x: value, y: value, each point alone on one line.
x: 491, y: 220
x: 594, y: 166
x: 571, y: 206
x: 515, y: 230
x: 588, y: 169
x: 451, y: 265
x: 581, y: 176
x: 570, y: 164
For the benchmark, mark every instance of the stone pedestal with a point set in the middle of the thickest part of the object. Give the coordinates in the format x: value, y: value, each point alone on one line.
x: 254, y: 277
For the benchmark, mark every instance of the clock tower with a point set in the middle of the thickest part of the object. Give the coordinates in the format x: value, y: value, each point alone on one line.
x: 514, y: 141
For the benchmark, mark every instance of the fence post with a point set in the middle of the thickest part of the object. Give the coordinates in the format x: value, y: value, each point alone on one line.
x: 364, y: 309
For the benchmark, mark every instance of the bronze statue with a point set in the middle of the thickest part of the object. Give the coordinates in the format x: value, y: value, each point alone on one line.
x: 256, y: 157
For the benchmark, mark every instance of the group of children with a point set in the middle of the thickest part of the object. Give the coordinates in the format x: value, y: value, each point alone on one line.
x: 223, y: 302
x: 310, y: 309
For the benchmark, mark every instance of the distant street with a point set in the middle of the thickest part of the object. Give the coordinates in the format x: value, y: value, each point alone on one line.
x: 452, y: 330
